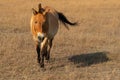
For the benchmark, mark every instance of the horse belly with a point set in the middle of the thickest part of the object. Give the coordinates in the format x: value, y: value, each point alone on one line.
x: 53, y: 25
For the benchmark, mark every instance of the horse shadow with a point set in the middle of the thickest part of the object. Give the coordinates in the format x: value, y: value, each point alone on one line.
x: 89, y: 59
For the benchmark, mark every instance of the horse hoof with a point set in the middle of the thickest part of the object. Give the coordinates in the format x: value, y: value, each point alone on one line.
x: 43, y: 69
x: 38, y: 61
x: 47, y: 58
x: 42, y: 65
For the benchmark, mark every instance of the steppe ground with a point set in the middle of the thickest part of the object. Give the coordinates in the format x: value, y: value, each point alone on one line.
x: 88, y: 51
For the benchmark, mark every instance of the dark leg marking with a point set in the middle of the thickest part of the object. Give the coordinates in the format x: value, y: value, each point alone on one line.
x: 38, y: 53
x: 42, y: 60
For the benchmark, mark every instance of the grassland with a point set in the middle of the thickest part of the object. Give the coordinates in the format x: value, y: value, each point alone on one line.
x: 89, y: 51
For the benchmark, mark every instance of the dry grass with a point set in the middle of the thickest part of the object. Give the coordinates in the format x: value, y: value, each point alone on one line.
x: 89, y: 51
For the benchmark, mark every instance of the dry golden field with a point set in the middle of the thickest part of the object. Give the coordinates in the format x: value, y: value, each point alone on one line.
x: 88, y: 51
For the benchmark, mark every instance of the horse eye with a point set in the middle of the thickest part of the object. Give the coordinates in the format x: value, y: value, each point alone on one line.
x: 35, y: 22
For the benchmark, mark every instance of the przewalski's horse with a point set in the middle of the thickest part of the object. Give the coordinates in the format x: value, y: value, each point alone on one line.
x: 44, y: 26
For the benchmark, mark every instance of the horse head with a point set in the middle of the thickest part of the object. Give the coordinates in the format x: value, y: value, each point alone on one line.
x: 38, y: 23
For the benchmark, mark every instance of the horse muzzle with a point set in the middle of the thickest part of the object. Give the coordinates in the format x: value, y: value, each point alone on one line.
x: 40, y: 39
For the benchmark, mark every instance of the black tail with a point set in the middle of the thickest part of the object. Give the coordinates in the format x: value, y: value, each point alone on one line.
x: 64, y: 20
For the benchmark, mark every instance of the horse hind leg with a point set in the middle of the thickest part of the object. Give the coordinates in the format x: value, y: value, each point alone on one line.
x: 49, y: 49
x: 45, y: 52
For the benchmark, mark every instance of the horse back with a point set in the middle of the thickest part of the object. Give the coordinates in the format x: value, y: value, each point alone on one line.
x: 52, y: 22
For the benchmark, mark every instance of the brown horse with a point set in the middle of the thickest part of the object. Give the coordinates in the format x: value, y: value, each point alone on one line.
x: 44, y: 26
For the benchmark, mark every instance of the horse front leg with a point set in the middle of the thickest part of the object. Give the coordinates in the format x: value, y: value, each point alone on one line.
x: 38, y: 53
x: 42, y: 59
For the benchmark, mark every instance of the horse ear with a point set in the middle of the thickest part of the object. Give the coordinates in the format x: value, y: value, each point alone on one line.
x: 34, y: 11
x: 46, y: 11
x: 39, y: 8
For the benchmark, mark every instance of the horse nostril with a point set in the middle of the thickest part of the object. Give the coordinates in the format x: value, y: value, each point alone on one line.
x: 40, y: 38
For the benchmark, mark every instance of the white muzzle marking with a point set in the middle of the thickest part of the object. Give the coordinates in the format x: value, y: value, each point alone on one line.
x: 40, y: 36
